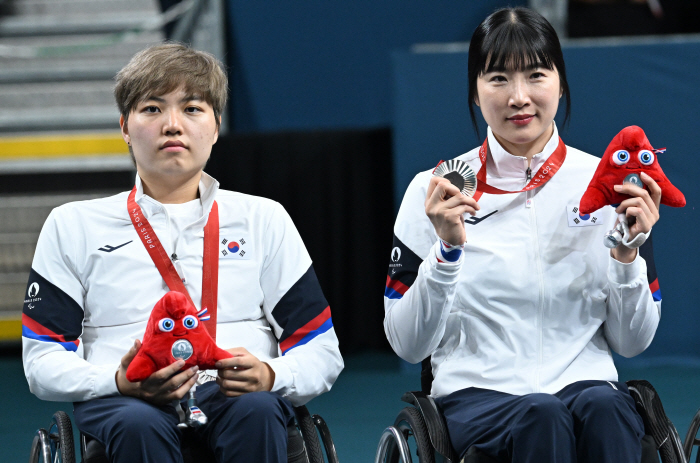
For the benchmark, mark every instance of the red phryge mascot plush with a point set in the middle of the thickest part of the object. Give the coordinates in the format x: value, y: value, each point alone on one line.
x: 628, y: 155
x: 174, y: 331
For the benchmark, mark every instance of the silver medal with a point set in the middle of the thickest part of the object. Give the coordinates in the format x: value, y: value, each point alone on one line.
x: 182, y: 349
x: 616, y: 236
x: 613, y: 238
x: 460, y: 174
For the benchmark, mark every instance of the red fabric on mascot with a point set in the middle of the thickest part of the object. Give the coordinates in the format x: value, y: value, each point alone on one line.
x: 174, y: 332
x: 628, y: 153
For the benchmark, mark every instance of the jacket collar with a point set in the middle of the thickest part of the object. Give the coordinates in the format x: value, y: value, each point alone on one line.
x: 502, y: 164
x: 208, y: 186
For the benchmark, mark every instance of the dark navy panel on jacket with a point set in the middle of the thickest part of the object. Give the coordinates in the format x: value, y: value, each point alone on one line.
x: 300, y: 305
x: 646, y: 251
x: 49, y: 314
x: 403, y: 270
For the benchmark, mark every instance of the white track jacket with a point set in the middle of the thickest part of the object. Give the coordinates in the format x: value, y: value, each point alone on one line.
x: 92, y: 287
x: 535, y: 302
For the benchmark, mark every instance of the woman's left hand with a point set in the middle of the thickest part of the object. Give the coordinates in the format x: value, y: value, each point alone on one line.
x: 243, y: 373
x: 643, y: 206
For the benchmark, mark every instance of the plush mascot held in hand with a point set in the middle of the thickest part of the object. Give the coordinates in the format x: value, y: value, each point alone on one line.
x: 174, y: 331
x: 628, y: 155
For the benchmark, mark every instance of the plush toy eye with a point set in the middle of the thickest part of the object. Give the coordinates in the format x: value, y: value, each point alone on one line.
x: 620, y: 157
x: 166, y: 324
x: 646, y: 157
x: 190, y: 322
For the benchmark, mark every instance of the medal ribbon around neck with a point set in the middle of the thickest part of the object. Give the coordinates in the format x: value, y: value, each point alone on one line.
x: 210, y: 267
x: 542, y: 176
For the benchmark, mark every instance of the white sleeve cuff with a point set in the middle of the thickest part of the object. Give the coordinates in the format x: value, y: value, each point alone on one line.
x: 105, y: 380
x: 448, y: 254
x: 637, y: 241
x: 624, y: 274
x: 284, y: 379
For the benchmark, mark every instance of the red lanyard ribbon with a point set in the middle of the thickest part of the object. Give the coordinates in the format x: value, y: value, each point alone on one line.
x: 542, y: 176
x: 210, y: 267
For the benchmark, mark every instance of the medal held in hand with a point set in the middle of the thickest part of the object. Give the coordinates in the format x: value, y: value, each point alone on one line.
x: 615, y: 237
x: 459, y: 173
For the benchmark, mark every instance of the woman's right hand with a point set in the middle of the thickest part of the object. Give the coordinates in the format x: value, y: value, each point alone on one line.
x: 161, y: 387
x: 445, y: 206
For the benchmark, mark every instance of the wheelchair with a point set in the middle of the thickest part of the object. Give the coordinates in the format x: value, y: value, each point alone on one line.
x: 423, y: 421
x: 55, y: 444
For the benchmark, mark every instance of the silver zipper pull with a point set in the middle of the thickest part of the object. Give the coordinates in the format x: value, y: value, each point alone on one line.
x: 178, y: 267
x: 528, y: 173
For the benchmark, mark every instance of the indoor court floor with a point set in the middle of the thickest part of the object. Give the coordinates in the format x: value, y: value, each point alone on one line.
x: 364, y: 400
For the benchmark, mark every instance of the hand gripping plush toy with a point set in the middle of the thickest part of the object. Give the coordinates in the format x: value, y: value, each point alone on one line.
x: 628, y: 154
x: 174, y: 331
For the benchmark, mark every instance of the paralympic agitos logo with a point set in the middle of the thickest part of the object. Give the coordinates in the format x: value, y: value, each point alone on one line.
x: 33, y: 292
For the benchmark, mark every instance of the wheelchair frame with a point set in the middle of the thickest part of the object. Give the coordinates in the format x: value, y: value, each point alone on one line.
x: 433, y: 444
x: 691, y: 437
x: 56, y: 444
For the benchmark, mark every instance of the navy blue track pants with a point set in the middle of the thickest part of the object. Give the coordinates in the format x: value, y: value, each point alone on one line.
x: 252, y: 427
x: 586, y: 422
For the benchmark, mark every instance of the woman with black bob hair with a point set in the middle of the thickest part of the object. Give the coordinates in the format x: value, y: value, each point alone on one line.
x: 519, y: 305
x: 514, y: 39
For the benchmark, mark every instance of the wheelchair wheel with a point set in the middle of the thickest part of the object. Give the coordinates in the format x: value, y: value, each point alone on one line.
x: 41, y: 447
x: 308, y: 430
x: 411, y: 423
x: 61, y: 436
x: 331, y: 454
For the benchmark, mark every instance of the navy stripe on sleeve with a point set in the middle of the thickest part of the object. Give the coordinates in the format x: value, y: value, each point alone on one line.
x: 403, y: 270
x: 646, y: 251
x: 49, y: 311
x: 302, y: 306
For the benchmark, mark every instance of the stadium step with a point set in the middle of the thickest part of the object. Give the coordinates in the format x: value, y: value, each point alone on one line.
x: 103, y: 23
x: 70, y: 7
x: 57, y: 95
x: 58, y: 59
x: 98, y: 151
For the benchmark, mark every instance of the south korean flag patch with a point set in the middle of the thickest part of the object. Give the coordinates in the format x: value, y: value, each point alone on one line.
x: 577, y: 219
x: 236, y: 249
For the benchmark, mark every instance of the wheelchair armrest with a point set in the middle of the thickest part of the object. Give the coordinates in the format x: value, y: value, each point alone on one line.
x: 434, y: 421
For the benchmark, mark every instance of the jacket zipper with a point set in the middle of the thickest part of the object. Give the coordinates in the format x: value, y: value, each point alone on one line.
x: 530, y: 203
x: 540, y: 281
x: 173, y: 256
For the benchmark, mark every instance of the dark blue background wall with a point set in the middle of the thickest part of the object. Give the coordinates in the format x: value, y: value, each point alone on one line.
x: 318, y: 64
x: 654, y: 86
